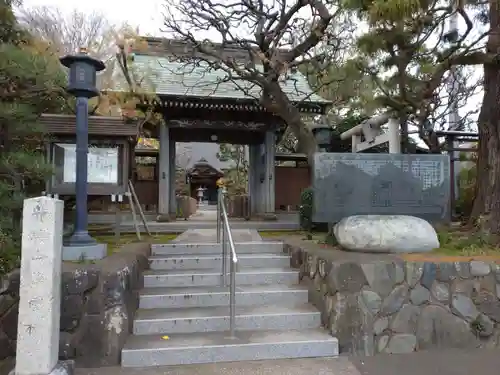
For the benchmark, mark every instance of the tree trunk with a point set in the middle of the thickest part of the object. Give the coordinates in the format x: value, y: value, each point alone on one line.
x: 486, y: 208
x: 403, y: 121
x: 290, y: 114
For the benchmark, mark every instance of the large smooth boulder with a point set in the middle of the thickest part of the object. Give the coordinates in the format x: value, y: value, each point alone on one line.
x: 386, y: 234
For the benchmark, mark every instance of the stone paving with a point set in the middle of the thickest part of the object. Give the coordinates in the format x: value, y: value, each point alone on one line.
x: 205, y: 214
x: 285, y: 221
x: 320, y: 366
x: 438, y: 362
x: 442, y: 362
x: 210, y: 236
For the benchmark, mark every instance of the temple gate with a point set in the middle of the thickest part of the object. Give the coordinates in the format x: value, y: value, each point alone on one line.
x: 199, y: 104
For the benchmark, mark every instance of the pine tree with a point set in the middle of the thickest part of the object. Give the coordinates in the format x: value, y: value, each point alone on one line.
x: 31, y: 83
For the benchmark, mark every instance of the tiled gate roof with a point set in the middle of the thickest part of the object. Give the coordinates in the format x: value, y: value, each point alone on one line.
x: 165, y: 77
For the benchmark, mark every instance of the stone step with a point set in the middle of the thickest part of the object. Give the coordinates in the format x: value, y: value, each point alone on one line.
x: 211, y: 347
x: 255, y: 295
x: 271, y: 247
x: 245, y: 276
x: 216, y: 319
x: 213, y: 262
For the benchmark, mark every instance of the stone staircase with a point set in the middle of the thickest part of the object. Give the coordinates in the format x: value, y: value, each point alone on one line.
x: 183, y: 317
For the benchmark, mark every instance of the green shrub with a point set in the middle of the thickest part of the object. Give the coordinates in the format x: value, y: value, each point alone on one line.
x: 31, y: 82
x: 179, y: 213
x: 306, y: 211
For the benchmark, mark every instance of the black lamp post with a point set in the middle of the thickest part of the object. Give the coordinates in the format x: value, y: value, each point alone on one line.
x: 82, y: 84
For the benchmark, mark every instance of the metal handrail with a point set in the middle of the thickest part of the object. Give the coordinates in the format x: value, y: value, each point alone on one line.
x: 224, y: 228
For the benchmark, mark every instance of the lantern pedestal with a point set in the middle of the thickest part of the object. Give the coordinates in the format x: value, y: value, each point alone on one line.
x: 76, y: 252
x: 82, y: 84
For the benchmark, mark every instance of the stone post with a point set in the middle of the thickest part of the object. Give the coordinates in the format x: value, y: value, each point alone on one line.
x: 164, y: 175
x: 253, y: 177
x: 269, y: 160
x: 172, y: 177
x: 40, y: 289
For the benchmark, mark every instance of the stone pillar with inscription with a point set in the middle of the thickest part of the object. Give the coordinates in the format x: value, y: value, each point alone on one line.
x: 164, y: 175
x: 40, y: 289
x: 172, y: 177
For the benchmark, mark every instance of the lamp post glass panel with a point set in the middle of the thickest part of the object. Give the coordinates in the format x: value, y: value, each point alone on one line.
x: 323, y: 137
x: 82, y: 84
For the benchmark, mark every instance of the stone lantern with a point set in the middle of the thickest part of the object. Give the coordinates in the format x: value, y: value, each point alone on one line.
x: 323, y: 134
x: 82, y: 74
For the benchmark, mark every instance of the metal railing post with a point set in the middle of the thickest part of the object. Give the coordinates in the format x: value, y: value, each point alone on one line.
x: 220, y: 202
x: 219, y: 214
x: 227, y: 255
x: 232, y: 299
x: 224, y: 258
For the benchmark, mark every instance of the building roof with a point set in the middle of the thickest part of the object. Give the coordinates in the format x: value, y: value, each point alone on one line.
x: 202, y: 167
x: 167, y: 76
x: 97, y: 125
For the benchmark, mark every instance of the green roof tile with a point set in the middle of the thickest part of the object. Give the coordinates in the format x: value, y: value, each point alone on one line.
x: 168, y: 78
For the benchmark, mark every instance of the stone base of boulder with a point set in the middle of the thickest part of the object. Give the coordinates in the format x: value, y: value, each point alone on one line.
x: 398, y: 306
x: 385, y: 234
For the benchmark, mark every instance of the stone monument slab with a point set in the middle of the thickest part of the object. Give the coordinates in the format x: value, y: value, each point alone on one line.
x: 347, y: 184
x: 40, y: 288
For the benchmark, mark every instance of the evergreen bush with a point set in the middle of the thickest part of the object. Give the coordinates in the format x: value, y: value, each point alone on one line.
x: 32, y: 83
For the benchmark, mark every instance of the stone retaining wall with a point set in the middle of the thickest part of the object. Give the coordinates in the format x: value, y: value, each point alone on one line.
x: 397, y: 306
x: 98, y: 302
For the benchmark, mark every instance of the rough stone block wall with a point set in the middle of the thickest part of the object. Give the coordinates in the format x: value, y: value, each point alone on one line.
x: 398, y: 306
x: 98, y: 303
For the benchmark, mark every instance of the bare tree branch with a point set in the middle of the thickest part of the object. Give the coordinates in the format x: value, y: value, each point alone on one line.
x: 271, y: 40
x: 67, y: 33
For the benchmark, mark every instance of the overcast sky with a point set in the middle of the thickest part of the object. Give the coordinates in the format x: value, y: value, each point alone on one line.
x: 146, y: 13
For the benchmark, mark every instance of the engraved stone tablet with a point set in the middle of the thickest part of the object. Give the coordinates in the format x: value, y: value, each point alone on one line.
x: 40, y: 289
x: 347, y: 184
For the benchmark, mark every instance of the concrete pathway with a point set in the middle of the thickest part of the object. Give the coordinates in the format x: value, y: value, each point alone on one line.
x: 286, y: 221
x: 438, y: 362
x: 323, y: 366
x: 210, y: 236
x: 204, y: 214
